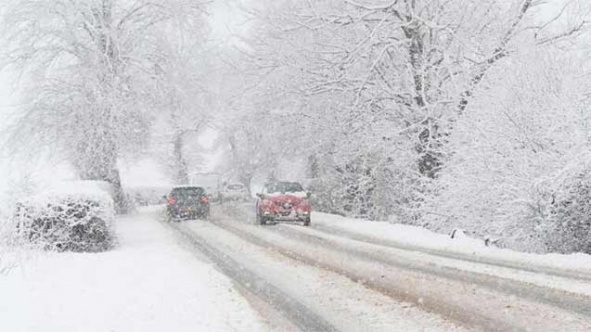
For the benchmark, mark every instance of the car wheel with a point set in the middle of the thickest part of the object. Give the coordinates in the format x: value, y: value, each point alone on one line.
x: 307, y: 221
x: 261, y: 220
x: 173, y: 217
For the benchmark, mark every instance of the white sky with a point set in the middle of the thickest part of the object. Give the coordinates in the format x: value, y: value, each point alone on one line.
x: 227, y: 19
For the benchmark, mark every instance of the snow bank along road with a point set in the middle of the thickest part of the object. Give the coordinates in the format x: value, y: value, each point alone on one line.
x: 321, y: 280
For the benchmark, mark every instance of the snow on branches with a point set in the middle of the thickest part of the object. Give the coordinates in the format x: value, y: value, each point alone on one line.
x: 92, y: 76
x: 393, y: 104
x: 74, y: 216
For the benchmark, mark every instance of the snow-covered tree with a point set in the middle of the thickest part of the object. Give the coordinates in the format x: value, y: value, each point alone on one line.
x: 188, y: 103
x: 92, y: 76
x: 520, y: 165
x: 370, y: 91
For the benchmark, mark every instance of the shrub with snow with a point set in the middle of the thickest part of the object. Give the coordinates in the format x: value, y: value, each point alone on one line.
x: 566, y: 219
x: 76, y: 216
x: 513, y: 152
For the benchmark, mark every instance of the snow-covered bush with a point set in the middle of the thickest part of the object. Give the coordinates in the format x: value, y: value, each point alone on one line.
x: 566, y: 221
x: 77, y: 216
x: 511, y: 155
x: 383, y: 191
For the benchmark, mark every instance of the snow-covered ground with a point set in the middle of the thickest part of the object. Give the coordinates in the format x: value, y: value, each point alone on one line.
x: 148, y: 283
x: 422, y: 238
x: 152, y: 281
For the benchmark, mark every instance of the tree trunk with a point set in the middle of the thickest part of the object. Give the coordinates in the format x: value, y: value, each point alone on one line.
x: 243, y: 175
x: 95, y: 159
x: 180, y: 164
x: 429, y: 143
x: 108, y: 173
x: 313, y: 167
x: 429, y: 160
x: 121, y: 202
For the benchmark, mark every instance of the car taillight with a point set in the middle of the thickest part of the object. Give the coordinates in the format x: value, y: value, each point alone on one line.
x: 204, y: 200
x: 171, y: 201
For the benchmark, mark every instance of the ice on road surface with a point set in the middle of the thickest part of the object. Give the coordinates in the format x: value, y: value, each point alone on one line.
x: 148, y: 283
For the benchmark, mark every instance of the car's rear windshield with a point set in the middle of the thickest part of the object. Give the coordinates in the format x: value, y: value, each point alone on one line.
x: 188, y: 191
x: 284, y: 187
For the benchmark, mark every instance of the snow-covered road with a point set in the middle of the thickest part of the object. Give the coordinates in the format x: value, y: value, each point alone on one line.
x: 473, y: 294
x: 313, y: 298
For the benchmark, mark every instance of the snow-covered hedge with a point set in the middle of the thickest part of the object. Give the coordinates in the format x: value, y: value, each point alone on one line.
x: 74, y: 216
x: 566, y: 219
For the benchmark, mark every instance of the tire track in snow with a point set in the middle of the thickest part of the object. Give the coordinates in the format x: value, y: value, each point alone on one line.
x: 302, y: 317
x: 458, y: 311
x: 576, y: 303
x: 491, y: 261
x: 564, y: 273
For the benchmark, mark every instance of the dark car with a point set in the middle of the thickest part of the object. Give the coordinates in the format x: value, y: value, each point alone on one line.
x: 187, y: 202
x: 283, y: 201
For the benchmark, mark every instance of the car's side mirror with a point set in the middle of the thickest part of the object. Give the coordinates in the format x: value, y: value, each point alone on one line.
x: 308, y: 194
x: 259, y: 195
x: 165, y: 197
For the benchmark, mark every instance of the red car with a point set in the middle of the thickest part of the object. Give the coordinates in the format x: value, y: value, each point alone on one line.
x: 283, y: 201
